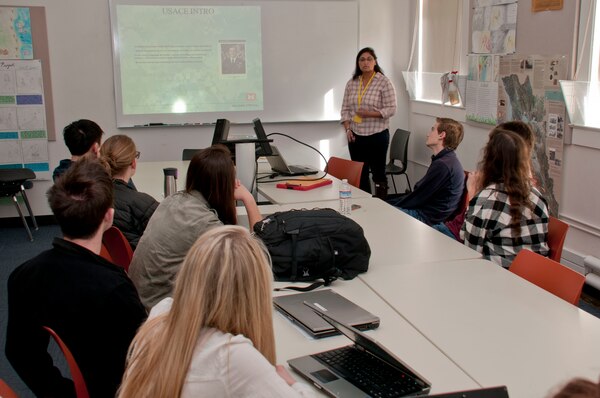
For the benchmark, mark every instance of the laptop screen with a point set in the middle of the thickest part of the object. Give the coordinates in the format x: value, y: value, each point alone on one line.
x: 264, y: 146
x: 221, y: 131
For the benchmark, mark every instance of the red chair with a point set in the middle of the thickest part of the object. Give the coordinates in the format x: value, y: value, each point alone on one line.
x: 548, y: 274
x: 118, y: 247
x: 80, y: 387
x: 6, y: 391
x: 344, y: 168
x: 557, y: 232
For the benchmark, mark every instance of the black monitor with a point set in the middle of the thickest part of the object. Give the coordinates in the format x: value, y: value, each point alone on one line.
x: 263, y: 147
x: 221, y: 131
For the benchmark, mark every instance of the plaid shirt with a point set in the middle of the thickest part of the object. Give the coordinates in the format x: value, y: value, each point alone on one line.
x: 380, y: 96
x: 486, y: 228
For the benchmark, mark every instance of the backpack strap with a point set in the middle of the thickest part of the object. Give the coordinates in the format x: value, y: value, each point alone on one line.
x: 327, y: 281
x: 294, y: 235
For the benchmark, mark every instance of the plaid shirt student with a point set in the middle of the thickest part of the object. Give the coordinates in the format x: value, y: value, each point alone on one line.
x: 380, y: 96
x: 487, y: 226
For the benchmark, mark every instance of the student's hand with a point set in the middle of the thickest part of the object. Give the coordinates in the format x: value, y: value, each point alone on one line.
x: 241, y: 192
x: 285, y: 375
x: 472, y: 183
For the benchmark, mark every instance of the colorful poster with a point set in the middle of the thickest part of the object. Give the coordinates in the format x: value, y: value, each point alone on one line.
x: 494, y: 27
x: 529, y: 91
x: 15, y: 33
x: 23, y: 133
x: 482, y: 89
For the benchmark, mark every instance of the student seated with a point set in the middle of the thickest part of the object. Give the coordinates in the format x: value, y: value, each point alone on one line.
x: 82, y: 137
x: 436, y: 196
x: 211, y: 190
x: 133, y: 209
x: 508, y: 213
x: 452, y: 227
x: 88, y: 301
x: 215, y: 337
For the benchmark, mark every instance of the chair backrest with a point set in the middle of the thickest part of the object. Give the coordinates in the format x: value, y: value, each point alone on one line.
x: 78, y: 380
x: 399, y: 147
x: 118, y: 247
x: 6, y: 391
x: 548, y: 274
x: 344, y: 168
x: 557, y: 232
x: 188, y: 154
x: 463, y: 203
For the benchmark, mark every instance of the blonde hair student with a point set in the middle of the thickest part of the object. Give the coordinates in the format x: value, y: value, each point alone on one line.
x: 215, y: 336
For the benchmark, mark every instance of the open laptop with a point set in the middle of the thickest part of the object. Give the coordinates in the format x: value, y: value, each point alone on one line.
x: 279, y: 165
x: 292, y: 306
x: 363, y: 369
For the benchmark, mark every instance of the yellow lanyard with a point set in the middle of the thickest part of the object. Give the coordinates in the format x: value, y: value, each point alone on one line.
x: 361, y: 90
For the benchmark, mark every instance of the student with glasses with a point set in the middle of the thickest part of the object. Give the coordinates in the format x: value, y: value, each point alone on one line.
x: 133, y: 209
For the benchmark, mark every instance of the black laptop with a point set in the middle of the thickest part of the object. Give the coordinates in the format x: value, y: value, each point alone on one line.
x: 364, y: 369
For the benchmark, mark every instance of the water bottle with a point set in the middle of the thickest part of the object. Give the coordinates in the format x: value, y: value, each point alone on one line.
x: 170, y: 177
x: 345, y: 196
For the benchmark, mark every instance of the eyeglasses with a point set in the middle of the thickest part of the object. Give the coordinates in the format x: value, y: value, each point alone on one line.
x: 137, y: 154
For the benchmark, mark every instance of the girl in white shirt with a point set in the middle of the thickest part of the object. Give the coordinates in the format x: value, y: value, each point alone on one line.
x: 215, y: 337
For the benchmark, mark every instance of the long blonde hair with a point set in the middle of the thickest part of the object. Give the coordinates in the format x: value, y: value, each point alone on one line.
x: 224, y: 283
x: 118, y: 152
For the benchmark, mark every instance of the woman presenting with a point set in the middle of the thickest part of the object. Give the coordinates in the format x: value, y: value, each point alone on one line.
x: 369, y: 102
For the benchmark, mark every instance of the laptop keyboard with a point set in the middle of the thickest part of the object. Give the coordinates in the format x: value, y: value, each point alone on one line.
x: 373, y: 376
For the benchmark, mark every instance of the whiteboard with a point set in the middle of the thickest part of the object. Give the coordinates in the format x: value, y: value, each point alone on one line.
x: 196, y: 61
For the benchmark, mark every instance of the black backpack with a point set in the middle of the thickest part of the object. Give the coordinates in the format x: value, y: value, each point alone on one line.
x: 306, y: 245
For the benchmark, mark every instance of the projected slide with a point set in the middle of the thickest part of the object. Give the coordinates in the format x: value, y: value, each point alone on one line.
x: 186, y: 59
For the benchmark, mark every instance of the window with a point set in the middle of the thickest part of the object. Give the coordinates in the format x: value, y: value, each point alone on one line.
x: 437, y: 45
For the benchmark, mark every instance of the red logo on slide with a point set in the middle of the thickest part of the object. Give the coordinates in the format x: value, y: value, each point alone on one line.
x: 250, y: 96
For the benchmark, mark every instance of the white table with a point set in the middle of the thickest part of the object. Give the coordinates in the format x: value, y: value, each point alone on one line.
x: 286, y: 196
x: 497, y: 327
x: 396, y: 238
x: 394, y: 332
x: 149, y: 178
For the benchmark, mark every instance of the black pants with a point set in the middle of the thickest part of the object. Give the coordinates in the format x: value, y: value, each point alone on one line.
x: 372, y: 150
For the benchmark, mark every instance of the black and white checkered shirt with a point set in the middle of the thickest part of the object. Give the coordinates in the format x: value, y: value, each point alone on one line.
x: 487, y: 226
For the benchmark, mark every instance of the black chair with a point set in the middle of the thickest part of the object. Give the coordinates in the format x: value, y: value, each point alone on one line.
x: 399, y: 152
x: 14, y: 181
x: 188, y: 154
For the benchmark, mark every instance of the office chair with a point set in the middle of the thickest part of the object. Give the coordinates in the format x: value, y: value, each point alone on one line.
x: 188, y: 154
x: 399, y: 152
x: 557, y: 232
x: 548, y: 274
x: 344, y: 168
x: 117, y: 247
x: 14, y: 181
x: 78, y: 380
x: 6, y: 391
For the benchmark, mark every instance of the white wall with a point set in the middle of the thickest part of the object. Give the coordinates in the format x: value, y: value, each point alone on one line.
x: 82, y: 79
x: 580, y: 196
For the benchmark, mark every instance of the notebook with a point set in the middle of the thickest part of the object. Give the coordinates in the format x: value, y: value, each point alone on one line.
x: 292, y: 306
x: 279, y: 165
x: 299, y: 185
x: 363, y: 369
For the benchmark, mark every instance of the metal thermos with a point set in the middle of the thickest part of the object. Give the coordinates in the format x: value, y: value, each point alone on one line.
x: 170, y: 183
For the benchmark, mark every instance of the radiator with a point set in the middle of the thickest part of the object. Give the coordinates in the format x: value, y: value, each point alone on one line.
x: 592, y: 271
